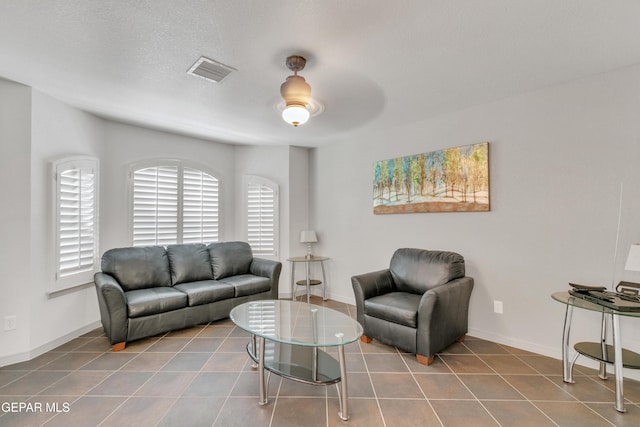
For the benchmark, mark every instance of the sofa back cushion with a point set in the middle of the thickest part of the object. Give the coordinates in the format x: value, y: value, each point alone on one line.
x: 189, y: 263
x: 418, y: 270
x: 138, y: 268
x: 230, y: 258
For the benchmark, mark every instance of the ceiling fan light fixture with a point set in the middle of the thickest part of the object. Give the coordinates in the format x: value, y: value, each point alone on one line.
x: 296, y: 92
x: 295, y: 115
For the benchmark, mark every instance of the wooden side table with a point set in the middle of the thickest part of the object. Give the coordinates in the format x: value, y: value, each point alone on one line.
x: 308, y: 282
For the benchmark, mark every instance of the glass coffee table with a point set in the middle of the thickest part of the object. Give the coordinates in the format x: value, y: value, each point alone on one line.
x: 288, y: 337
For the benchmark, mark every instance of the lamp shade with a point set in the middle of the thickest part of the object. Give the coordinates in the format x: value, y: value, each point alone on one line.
x: 308, y: 236
x: 633, y: 260
x: 295, y: 115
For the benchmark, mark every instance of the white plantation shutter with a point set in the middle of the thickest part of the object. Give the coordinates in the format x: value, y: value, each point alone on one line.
x: 172, y: 204
x: 76, y: 221
x: 262, y: 216
x: 155, y: 206
x: 199, y: 207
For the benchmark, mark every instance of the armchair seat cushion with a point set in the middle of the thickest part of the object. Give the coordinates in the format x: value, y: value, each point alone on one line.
x: 206, y: 291
x: 143, y: 302
x: 396, y: 307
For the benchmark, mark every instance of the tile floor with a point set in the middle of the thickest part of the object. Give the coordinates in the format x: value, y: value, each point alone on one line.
x: 202, y: 377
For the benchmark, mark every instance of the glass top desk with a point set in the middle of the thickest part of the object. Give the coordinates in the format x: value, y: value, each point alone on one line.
x: 289, y: 334
x: 601, y: 352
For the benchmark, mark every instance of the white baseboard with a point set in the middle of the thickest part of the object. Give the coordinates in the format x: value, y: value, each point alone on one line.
x: 33, y: 353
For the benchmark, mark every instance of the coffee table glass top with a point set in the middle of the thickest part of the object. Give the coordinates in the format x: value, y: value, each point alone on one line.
x: 293, y: 322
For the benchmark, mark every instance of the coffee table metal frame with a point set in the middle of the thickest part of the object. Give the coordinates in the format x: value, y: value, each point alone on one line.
x: 292, y: 333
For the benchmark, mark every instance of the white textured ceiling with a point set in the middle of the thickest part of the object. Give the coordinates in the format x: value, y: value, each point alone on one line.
x: 373, y: 63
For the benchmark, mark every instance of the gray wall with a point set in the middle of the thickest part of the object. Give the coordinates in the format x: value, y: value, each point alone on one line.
x: 558, y: 158
x: 36, y: 129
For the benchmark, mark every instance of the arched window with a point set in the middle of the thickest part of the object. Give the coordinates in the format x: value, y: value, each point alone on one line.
x: 173, y: 203
x: 261, y: 207
x: 76, y: 221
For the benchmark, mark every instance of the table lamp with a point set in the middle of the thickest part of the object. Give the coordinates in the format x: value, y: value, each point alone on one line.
x: 308, y: 237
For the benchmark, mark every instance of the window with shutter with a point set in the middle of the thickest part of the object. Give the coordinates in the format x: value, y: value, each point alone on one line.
x: 155, y: 206
x: 76, y: 221
x: 262, y: 216
x: 199, y: 207
x: 173, y: 203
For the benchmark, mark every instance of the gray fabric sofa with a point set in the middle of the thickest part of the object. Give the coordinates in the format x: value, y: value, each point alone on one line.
x: 420, y: 304
x: 145, y: 291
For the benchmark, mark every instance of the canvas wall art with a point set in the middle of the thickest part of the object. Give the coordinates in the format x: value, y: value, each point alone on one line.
x: 449, y: 180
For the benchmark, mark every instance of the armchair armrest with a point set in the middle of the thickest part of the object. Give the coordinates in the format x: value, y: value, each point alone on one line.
x: 270, y: 269
x: 443, y: 315
x: 370, y: 285
x: 113, y: 307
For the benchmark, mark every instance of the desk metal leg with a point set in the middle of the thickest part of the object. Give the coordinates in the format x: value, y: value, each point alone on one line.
x: 324, y: 282
x: 263, y: 385
x: 602, y: 372
x: 567, y: 372
x: 293, y: 292
x: 308, y: 271
x: 617, y: 363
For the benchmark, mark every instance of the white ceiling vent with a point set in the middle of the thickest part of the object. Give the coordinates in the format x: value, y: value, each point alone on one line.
x: 210, y: 69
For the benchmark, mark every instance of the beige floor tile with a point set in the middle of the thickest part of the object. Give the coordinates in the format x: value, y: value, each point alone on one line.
x: 443, y: 386
x: 462, y: 413
x: 407, y: 413
x: 395, y: 386
x: 572, y: 414
x: 243, y: 412
x: 466, y: 364
x: 202, y: 376
x: 517, y: 413
x: 507, y: 364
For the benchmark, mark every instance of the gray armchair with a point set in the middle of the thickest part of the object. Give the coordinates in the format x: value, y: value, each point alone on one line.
x: 420, y: 304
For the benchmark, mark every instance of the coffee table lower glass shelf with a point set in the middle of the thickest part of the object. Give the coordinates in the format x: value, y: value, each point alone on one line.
x: 303, y: 364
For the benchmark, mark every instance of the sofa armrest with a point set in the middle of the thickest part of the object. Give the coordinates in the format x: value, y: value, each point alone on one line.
x: 370, y: 285
x: 267, y: 268
x: 443, y: 315
x: 113, y: 307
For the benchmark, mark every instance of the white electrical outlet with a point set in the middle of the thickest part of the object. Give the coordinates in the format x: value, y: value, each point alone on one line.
x: 497, y: 307
x: 10, y: 323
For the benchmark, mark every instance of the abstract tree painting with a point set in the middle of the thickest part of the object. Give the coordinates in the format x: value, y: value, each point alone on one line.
x: 449, y: 180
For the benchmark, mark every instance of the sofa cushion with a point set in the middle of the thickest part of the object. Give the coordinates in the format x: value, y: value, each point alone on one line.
x: 189, y: 263
x: 396, y: 307
x: 248, y: 284
x: 230, y: 258
x: 138, y: 268
x: 418, y: 270
x: 144, y: 302
x: 206, y: 291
